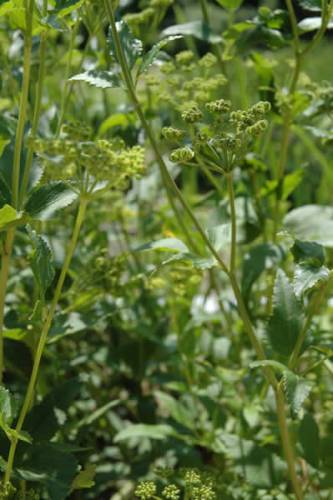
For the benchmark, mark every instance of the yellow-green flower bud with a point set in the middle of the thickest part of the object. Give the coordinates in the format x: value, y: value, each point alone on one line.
x: 182, y: 155
x: 185, y: 57
x: 208, y: 60
x: 220, y: 106
x: 192, y: 115
x: 172, y: 134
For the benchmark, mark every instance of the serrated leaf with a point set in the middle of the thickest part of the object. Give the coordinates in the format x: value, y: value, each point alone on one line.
x: 309, y: 439
x: 296, y: 389
x: 285, y: 323
x: 42, y: 264
x: 45, y: 200
x: 99, y: 78
x: 85, y: 478
x: 197, y: 29
x: 5, y: 408
x: 149, y: 58
x: 132, y: 47
x: 311, y: 223
x: 139, y: 431
x: 307, y: 277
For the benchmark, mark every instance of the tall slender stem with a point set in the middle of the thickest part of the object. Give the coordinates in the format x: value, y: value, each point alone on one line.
x: 23, y: 104
x: 37, y: 108
x: 5, y: 263
x: 9, y: 240
x: 233, y: 250
x: 43, y: 337
x: 233, y: 280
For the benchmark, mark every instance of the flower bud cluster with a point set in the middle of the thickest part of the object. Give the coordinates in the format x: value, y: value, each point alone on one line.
x: 102, y: 160
x: 217, y: 133
x: 145, y: 490
x: 173, y: 134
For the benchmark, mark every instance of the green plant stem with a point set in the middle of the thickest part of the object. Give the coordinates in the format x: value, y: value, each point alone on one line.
x: 23, y: 104
x: 233, y: 250
x: 286, y: 442
x: 43, y: 337
x: 168, y: 180
x: 314, y: 305
x: 65, y: 92
x: 204, y: 10
x: 36, y: 113
x: 9, y: 240
x: 5, y: 264
x: 233, y: 280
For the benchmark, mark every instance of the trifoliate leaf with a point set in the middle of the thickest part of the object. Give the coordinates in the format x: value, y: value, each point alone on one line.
x: 45, y: 200
x: 285, y: 323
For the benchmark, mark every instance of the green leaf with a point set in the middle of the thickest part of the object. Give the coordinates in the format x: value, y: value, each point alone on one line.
x: 9, y: 217
x: 177, y: 410
x: 314, y: 5
x: 149, y: 58
x: 291, y: 182
x: 166, y: 244
x: 43, y: 422
x: 296, y: 389
x: 307, y: 277
x: 14, y: 10
x: 5, y: 408
x: 65, y: 7
x: 313, y: 24
x: 309, y: 439
x: 132, y: 47
x: 42, y: 263
x: 285, y: 323
x: 197, y: 29
x: 311, y: 223
x: 256, y: 261
x: 45, y: 200
x: 101, y: 79
x: 309, y: 252
x: 139, y: 431
x: 219, y: 236
x: 50, y: 465
x: 85, y: 478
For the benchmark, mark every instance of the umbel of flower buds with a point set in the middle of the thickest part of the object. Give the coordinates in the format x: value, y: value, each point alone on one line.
x: 172, y: 134
x: 192, y: 115
x: 182, y: 155
x: 219, y: 106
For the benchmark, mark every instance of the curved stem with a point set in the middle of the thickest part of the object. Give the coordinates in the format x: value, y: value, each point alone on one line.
x: 43, y: 337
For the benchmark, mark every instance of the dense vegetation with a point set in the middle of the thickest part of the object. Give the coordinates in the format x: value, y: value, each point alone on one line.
x: 166, y: 249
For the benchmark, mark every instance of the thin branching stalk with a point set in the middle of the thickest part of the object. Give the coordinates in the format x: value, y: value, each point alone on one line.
x: 286, y: 441
x: 43, y: 336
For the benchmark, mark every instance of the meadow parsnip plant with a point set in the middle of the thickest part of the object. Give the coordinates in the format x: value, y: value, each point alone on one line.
x: 166, y: 249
